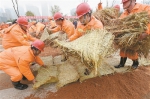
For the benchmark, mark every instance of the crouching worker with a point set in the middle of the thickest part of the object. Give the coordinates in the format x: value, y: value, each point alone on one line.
x: 16, y: 62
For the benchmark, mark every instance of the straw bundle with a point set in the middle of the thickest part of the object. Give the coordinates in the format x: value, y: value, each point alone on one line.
x: 45, y: 76
x: 67, y: 74
x: 34, y: 35
x: 80, y: 67
x: 107, y: 14
x: 63, y: 74
x: 90, y: 48
x: 106, y: 69
x: 48, y: 39
x: 70, y: 71
x: 45, y: 35
x: 128, y: 30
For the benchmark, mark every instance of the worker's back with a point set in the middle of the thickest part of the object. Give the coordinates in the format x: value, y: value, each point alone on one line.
x: 15, y: 36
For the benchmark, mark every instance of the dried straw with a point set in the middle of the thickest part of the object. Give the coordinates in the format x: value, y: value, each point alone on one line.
x: 90, y: 48
x: 128, y: 30
x: 45, y: 76
x: 67, y: 74
x: 48, y: 39
x: 107, y: 14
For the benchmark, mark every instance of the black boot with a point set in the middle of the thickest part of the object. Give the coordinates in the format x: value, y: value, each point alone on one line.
x: 122, y: 62
x: 19, y: 85
x: 135, y: 64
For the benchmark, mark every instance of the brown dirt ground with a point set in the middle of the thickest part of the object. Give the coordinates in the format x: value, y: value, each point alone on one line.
x: 130, y: 85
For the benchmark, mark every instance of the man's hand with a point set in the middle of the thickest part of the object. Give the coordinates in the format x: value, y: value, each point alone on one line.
x: 33, y: 81
x: 67, y: 40
x: 143, y: 36
x: 62, y: 32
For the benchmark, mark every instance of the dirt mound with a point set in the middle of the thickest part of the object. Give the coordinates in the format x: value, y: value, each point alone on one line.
x: 130, y: 85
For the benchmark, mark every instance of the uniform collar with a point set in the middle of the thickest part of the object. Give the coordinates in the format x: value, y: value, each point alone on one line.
x: 90, y: 23
x: 30, y: 50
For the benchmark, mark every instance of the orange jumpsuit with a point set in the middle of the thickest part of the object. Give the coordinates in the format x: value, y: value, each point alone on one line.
x: 15, y: 36
x: 3, y: 26
x: 137, y: 8
x: 32, y: 29
x: 66, y: 27
x: 52, y: 24
x: 81, y: 29
x: 39, y: 28
x: 1, y: 33
x: 16, y: 62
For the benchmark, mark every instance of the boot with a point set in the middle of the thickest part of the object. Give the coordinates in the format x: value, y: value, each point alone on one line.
x: 135, y: 64
x: 122, y: 62
x: 19, y: 85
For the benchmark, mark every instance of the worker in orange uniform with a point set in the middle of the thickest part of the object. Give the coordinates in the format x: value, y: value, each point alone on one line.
x: 36, y: 28
x: 132, y: 7
x: 3, y: 31
x: 52, y: 23
x: 16, y: 35
x: 39, y: 28
x: 3, y: 26
x: 32, y: 27
x: 86, y: 21
x: 100, y: 6
x: 63, y: 25
x: 16, y: 62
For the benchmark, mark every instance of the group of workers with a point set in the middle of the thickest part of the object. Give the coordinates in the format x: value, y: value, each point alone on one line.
x: 22, y: 49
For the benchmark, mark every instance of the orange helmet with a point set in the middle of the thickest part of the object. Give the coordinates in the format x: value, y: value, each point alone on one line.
x: 22, y: 21
x: 50, y: 18
x: 82, y: 9
x: 57, y: 16
x: 39, y: 45
x: 117, y: 7
x: 123, y: 1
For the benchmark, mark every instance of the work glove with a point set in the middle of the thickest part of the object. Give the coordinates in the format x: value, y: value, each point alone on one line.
x: 33, y: 81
